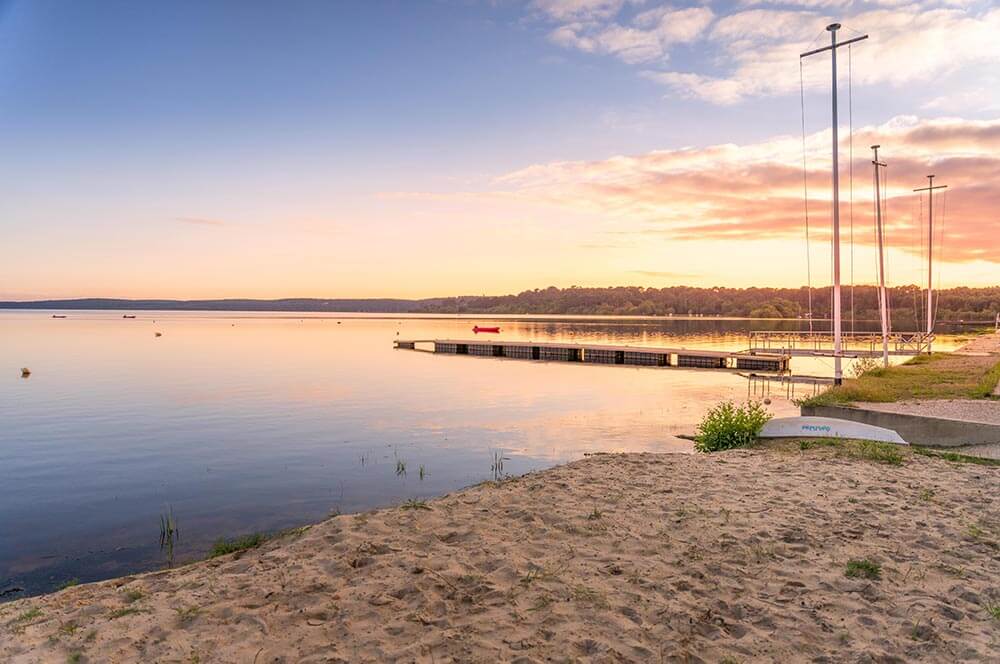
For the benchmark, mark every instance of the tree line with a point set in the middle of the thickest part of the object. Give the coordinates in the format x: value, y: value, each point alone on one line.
x: 907, y: 302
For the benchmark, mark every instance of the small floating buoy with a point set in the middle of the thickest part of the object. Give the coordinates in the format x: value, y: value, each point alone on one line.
x: 767, y: 401
x: 25, y: 372
x: 159, y: 334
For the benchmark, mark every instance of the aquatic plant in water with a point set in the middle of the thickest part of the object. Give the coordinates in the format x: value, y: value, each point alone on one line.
x: 169, y: 534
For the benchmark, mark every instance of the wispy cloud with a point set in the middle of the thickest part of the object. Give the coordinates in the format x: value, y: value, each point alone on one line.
x: 755, y: 191
x: 200, y: 221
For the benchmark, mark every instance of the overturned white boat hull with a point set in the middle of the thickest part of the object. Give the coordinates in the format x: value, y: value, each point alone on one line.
x: 827, y: 427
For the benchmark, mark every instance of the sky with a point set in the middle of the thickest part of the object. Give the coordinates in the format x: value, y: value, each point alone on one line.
x: 193, y: 149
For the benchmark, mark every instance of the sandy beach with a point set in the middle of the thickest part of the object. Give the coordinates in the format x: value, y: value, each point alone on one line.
x: 740, y: 556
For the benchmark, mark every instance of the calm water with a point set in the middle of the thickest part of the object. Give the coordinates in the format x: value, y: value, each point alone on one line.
x: 239, y: 423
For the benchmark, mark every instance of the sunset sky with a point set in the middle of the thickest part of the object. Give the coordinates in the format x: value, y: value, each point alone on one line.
x: 196, y: 149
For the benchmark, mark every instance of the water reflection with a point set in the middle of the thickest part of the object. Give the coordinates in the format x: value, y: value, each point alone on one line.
x: 239, y: 423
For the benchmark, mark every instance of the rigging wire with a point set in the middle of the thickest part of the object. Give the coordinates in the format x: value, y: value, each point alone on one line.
x: 919, y: 314
x: 850, y: 115
x: 885, y: 217
x: 875, y: 233
x: 944, y: 203
x: 805, y: 191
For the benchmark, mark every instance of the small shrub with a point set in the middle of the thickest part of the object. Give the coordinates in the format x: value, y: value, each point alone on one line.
x: 865, y: 569
x: 728, y: 425
x: 864, y: 365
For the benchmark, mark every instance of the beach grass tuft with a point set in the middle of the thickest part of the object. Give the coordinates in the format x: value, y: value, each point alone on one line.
x: 863, y: 568
x: 867, y: 450
x: 187, y: 614
x: 871, y: 450
x: 69, y: 583
x: 954, y: 456
x: 126, y: 611
x: 415, y: 504
x: 993, y: 610
x: 133, y: 595
x: 812, y: 443
x: 30, y: 614
x: 224, y: 546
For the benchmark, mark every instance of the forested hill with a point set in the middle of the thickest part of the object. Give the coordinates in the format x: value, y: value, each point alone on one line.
x: 907, y: 303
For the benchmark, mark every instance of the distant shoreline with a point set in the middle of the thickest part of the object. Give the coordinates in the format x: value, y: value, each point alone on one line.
x: 966, y: 306
x: 427, y: 315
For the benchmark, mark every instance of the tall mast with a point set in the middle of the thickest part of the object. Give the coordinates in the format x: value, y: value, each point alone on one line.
x: 883, y: 300
x: 930, y: 252
x: 838, y: 374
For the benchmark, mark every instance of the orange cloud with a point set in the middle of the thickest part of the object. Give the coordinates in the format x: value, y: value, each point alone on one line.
x: 755, y: 191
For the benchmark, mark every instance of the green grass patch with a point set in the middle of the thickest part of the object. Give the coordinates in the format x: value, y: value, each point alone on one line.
x: 224, y: 546
x: 877, y: 452
x: 863, y: 569
x: 993, y: 610
x: 121, y: 613
x: 68, y: 584
x: 954, y: 457
x: 414, y: 504
x: 812, y: 443
x: 30, y: 614
x: 935, y: 376
x: 866, y: 450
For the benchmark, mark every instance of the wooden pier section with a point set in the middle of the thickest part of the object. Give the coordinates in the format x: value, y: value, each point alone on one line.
x: 615, y: 355
x: 854, y: 344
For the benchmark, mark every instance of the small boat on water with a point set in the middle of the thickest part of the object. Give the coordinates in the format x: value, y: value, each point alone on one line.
x: 57, y: 316
x: 128, y: 316
x: 491, y: 330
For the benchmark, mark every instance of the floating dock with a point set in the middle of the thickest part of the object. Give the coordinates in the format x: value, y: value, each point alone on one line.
x: 596, y: 354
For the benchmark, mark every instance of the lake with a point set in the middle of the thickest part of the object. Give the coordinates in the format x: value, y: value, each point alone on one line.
x: 237, y: 423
